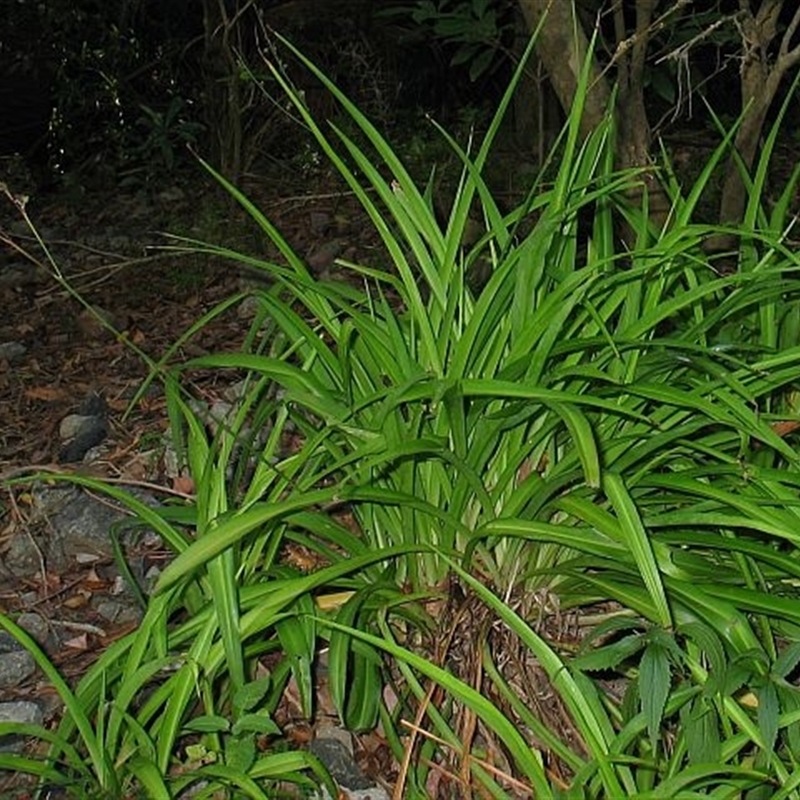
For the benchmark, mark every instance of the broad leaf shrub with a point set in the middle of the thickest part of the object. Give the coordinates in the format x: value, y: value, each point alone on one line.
x: 551, y: 516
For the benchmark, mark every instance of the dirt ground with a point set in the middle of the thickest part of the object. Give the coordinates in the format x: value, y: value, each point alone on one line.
x: 109, y: 248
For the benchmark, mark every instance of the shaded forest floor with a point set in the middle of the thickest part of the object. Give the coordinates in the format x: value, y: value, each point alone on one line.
x: 110, y: 249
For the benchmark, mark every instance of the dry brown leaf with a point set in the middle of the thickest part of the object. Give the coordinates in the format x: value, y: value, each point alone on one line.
x: 80, y: 600
x: 80, y: 642
x: 46, y: 393
x: 183, y: 484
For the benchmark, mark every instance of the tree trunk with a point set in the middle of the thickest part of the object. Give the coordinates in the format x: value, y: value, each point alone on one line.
x: 633, y: 128
x: 761, y: 75
x: 222, y: 89
x: 537, y: 117
x: 563, y: 48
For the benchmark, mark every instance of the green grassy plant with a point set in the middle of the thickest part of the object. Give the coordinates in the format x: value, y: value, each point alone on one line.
x: 605, y: 428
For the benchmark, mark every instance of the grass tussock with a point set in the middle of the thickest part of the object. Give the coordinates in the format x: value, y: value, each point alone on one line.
x: 574, y: 479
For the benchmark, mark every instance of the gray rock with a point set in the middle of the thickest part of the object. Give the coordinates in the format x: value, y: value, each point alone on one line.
x: 22, y: 712
x: 74, y: 425
x: 373, y: 793
x: 77, y: 524
x: 12, y: 351
x: 22, y: 556
x: 19, y: 276
x: 339, y: 761
x: 320, y: 222
x: 119, y: 242
x: 80, y: 433
x: 174, y: 194
x: 36, y: 625
x: 117, y: 612
x: 16, y: 664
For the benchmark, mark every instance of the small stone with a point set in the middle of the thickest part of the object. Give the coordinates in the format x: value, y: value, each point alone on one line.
x: 320, y: 222
x: 15, y: 667
x: 93, y: 405
x: 22, y: 556
x: 12, y: 351
x: 74, y: 425
x: 22, y: 712
x: 321, y: 258
x: 339, y: 762
x: 172, y: 195
x: 119, y: 613
x: 96, y: 322
x: 36, y: 625
x: 120, y: 242
x: 80, y: 434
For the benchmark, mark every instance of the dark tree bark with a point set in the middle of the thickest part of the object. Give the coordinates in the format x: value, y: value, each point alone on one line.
x: 760, y: 77
x: 563, y: 48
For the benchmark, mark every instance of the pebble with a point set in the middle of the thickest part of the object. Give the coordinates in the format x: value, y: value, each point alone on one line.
x: 12, y: 351
x: 23, y: 712
x: 36, y: 625
x: 16, y: 664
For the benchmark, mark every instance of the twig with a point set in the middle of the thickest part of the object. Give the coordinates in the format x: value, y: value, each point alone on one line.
x: 83, y: 627
x: 488, y: 766
x: 20, y: 472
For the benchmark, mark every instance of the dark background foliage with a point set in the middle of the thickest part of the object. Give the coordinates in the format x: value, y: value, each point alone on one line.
x: 115, y: 90
x: 114, y: 87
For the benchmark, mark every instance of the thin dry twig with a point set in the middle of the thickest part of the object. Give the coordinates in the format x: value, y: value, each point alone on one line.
x: 30, y: 470
x: 487, y: 765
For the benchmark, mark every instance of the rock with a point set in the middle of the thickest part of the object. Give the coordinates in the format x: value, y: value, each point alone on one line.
x: 88, y: 433
x: 76, y: 523
x: 373, y: 793
x: 23, y: 712
x: 97, y: 323
x: 321, y: 258
x: 19, y: 276
x: 172, y: 195
x: 15, y: 667
x: 84, y: 430
x: 120, y: 242
x: 12, y: 351
x: 117, y: 612
x: 74, y: 425
x: 339, y: 761
x: 22, y: 556
x: 16, y: 664
x: 36, y: 625
x: 319, y: 222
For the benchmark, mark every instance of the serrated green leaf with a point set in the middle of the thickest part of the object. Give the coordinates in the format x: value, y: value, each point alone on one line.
x: 240, y: 753
x: 654, y: 686
x: 767, y: 715
x: 207, y: 723
x: 700, y: 728
x: 611, y: 655
x: 251, y: 694
x: 255, y: 723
